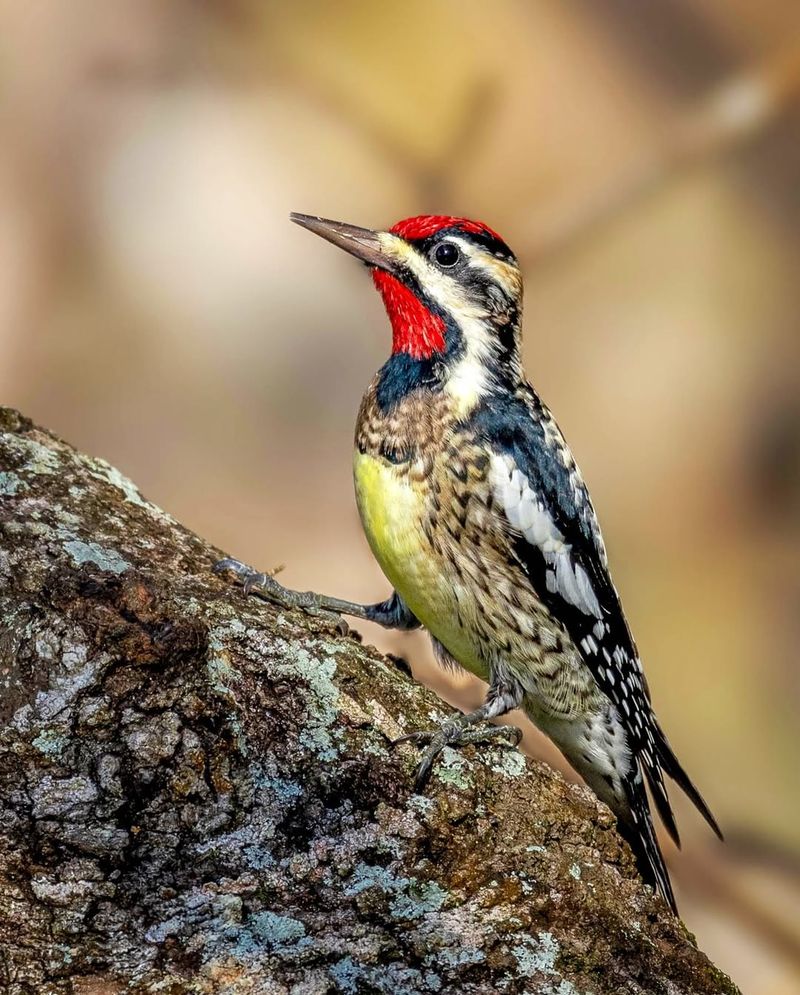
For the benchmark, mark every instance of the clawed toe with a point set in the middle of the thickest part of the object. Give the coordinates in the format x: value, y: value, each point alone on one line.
x: 436, y: 739
x: 332, y: 618
x: 510, y: 736
x: 228, y: 565
x: 455, y: 735
x: 265, y: 586
x: 254, y: 582
x: 423, y: 772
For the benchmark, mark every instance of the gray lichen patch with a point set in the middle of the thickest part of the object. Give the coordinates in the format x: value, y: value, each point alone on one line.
x: 452, y: 768
x: 218, y: 663
x: 536, y: 957
x: 511, y: 764
x: 11, y: 484
x: 351, y: 977
x: 313, y: 676
x: 51, y: 742
x: 91, y: 552
x: 275, y: 931
x: 417, y: 899
x: 99, y: 468
x: 31, y: 456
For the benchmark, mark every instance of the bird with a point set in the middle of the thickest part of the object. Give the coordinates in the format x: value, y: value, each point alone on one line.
x: 477, y: 513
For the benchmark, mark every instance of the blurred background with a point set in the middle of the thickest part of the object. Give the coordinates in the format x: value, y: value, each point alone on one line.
x: 157, y: 308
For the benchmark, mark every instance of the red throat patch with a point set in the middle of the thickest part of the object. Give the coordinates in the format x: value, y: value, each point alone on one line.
x: 415, y: 329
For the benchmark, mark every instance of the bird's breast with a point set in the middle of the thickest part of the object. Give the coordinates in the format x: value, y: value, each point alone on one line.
x: 398, y: 509
x: 395, y: 505
x: 393, y: 469
x: 392, y: 503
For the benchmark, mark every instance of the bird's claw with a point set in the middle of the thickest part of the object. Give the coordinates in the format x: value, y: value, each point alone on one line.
x: 251, y: 580
x: 254, y: 581
x: 453, y: 734
x: 332, y: 618
x: 265, y: 586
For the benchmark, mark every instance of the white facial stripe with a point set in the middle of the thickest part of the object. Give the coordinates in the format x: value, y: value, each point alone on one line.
x: 467, y: 382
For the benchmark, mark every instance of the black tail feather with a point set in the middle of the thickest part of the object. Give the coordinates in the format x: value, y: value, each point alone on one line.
x: 636, y: 823
x: 661, y: 798
x: 672, y: 766
x: 638, y: 832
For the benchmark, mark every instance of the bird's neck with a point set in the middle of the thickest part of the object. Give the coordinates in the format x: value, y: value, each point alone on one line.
x: 402, y: 375
x: 467, y: 356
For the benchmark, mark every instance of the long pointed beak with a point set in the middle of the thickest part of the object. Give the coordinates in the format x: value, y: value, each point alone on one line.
x: 371, y: 247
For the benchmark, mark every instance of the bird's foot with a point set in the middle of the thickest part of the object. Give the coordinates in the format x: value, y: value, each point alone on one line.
x: 456, y: 733
x: 265, y: 586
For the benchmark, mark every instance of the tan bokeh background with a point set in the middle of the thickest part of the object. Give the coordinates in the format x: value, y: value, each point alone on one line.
x: 157, y: 308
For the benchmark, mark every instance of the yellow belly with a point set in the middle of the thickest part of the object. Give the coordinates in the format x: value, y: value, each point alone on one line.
x: 392, y: 510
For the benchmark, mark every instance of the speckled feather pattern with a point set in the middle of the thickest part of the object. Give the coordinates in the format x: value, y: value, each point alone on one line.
x: 450, y: 555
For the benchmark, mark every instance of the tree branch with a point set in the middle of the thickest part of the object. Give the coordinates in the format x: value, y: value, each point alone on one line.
x: 197, y: 791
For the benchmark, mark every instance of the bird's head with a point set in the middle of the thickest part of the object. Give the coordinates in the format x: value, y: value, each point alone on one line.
x: 453, y: 292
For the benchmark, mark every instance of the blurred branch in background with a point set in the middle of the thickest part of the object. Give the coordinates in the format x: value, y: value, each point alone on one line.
x: 736, y: 112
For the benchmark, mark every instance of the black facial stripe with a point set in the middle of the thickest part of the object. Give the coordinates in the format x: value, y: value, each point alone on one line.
x: 508, y: 337
x: 409, y: 279
x: 497, y: 247
x: 453, y: 336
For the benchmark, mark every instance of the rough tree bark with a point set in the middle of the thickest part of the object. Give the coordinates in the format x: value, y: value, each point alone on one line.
x: 197, y: 790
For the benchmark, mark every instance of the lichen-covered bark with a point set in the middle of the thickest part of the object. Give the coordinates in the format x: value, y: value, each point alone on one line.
x: 197, y: 790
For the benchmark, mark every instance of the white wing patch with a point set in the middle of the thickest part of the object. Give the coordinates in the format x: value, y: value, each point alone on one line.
x: 527, y: 513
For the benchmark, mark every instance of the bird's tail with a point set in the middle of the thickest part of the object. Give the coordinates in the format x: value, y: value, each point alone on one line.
x: 636, y: 828
x: 636, y: 824
x: 671, y: 766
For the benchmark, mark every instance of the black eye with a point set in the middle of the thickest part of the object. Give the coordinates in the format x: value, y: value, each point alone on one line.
x: 446, y: 254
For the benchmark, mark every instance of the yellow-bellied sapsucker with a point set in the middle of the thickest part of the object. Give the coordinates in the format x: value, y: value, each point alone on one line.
x: 476, y: 511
